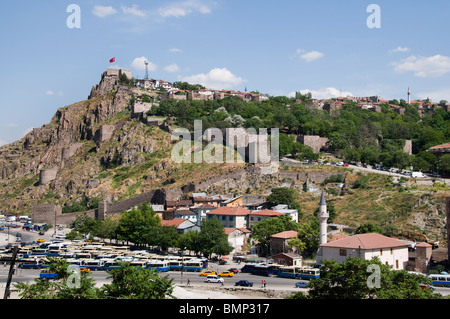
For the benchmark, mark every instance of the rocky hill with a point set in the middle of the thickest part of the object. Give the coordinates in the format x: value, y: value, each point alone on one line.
x: 96, y: 150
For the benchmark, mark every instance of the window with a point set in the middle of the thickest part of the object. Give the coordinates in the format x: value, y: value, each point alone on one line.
x: 342, y: 252
x: 231, y: 218
x: 392, y: 251
x: 224, y: 217
x: 396, y: 264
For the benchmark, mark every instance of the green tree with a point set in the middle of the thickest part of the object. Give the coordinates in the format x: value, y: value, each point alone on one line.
x: 85, y: 225
x: 443, y: 164
x: 139, y: 225
x: 355, y: 278
x: 212, y: 238
x: 369, y: 227
x: 129, y: 282
x: 167, y: 237
x: 67, y: 284
x: 262, y: 231
x: 283, y: 195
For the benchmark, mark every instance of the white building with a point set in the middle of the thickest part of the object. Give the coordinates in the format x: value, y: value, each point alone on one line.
x: 292, y: 213
x: 237, y: 237
x: 390, y: 251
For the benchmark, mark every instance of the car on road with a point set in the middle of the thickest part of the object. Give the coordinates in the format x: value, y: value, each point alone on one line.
x: 213, y: 278
x: 40, y: 240
x: 226, y: 274
x: 208, y: 273
x: 244, y: 283
x: 301, y: 284
x: 234, y: 270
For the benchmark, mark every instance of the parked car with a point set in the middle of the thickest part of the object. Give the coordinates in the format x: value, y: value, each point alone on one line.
x: 302, y: 284
x: 244, y: 283
x: 226, y: 274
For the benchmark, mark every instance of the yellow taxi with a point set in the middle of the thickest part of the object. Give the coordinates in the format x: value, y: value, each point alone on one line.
x: 208, y: 273
x: 226, y: 274
x: 40, y: 240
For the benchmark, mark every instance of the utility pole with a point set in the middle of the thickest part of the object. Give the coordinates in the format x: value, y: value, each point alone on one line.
x: 11, y: 271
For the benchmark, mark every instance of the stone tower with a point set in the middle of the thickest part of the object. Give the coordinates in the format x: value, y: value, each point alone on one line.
x: 323, y: 218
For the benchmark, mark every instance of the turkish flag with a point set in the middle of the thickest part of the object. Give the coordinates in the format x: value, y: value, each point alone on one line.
x: 112, y: 60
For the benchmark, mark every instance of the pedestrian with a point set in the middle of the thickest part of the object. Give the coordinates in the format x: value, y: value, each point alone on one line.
x: 188, y: 282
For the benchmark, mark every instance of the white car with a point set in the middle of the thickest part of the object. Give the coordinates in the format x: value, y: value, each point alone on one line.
x: 61, y: 236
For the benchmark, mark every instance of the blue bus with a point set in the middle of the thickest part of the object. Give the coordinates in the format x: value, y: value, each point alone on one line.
x: 440, y: 280
x: 159, y: 265
x: 193, y: 265
x: 299, y: 272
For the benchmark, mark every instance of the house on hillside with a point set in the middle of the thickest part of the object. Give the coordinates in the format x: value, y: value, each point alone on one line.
x: 288, y: 259
x: 279, y: 242
x: 366, y: 246
x: 230, y: 217
x: 257, y: 216
x: 237, y: 237
x: 292, y: 213
x: 186, y: 213
x: 234, y: 202
x: 182, y: 225
x: 201, y: 211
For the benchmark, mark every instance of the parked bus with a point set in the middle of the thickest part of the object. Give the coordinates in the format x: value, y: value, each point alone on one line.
x: 139, y: 263
x: 307, y: 273
x: 248, y: 268
x: 93, y: 264
x: 299, y: 272
x: 39, y: 252
x: 287, y: 272
x: 176, y: 265
x: 440, y: 280
x: 193, y: 265
x: 159, y: 265
x: 110, y: 264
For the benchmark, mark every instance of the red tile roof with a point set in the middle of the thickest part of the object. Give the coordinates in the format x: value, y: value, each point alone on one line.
x: 173, y: 223
x: 230, y: 230
x: 266, y: 212
x: 235, y: 211
x: 366, y: 241
x: 285, y: 234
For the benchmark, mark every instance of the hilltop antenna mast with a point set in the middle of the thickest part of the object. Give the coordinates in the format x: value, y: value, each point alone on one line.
x: 146, y: 70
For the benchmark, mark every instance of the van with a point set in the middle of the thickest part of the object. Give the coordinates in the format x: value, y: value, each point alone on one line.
x: 213, y: 278
x: 418, y: 175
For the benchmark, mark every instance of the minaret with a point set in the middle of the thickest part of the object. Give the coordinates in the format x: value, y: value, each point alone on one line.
x: 323, y: 217
x: 409, y: 96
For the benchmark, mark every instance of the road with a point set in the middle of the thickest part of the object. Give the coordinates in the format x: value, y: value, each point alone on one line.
x: 180, y: 280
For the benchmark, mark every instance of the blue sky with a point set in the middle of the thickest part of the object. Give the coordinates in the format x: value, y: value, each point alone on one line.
x: 276, y: 47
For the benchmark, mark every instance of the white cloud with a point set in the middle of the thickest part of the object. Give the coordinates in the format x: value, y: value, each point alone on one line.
x: 399, y: 49
x: 133, y: 10
x: 175, y: 50
x: 423, y: 67
x: 309, y: 56
x: 172, y: 68
x: 49, y: 92
x: 101, y: 11
x: 139, y: 64
x: 11, y: 125
x: 324, y: 93
x: 218, y: 78
x: 184, y: 8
